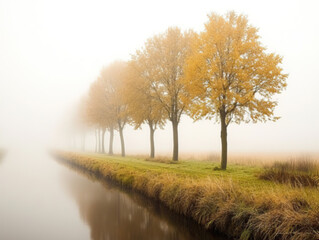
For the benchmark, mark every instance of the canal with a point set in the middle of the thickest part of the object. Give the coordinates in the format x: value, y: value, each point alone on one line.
x: 40, y: 198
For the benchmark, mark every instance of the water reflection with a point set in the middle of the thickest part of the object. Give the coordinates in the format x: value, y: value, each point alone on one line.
x: 113, y: 213
x: 33, y: 202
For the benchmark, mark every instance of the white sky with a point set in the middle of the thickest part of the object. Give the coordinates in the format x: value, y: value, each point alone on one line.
x: 50, y: 52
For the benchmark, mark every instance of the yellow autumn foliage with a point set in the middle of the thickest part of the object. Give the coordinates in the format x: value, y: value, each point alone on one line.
x: 230, y: 76
x: 229, y: 70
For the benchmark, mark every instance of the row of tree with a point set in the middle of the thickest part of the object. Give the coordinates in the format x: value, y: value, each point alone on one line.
x: 223, y: 73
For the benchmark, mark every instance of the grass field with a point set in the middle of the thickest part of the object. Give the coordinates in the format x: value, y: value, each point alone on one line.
x: 236, y: 202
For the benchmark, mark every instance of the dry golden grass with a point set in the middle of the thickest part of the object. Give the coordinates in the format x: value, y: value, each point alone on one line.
x: 253, y: 159
x: 234, y: 202
x: 297, y: 172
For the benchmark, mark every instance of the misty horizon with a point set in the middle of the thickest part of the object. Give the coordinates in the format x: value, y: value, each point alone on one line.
x: 48, y: 64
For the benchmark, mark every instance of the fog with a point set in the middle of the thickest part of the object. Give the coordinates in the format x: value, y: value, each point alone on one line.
x: 51, y: 51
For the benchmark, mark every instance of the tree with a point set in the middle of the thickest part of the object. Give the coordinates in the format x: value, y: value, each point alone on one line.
x: 77, y: 123
x: 230, y: 76
x: 164, y: 55
x: 82, y: 120
x: 113, y: 78
x: 108, y: 107
x: 143, y: 107
x: 98, y: 112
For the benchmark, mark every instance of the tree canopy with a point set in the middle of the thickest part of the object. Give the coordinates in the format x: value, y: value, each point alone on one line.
x: 113, y: 78
x: 230, y: 75
x: 142, y: 104
x: 164, y: 57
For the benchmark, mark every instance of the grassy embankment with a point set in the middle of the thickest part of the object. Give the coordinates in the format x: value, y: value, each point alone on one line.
x: 235, y: 202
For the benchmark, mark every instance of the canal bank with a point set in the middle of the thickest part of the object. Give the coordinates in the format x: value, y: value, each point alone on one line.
x: 234, y: 202
x: 118, y: 213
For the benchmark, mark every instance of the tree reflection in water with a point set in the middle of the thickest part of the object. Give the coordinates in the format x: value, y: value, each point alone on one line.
x: 113, y: 213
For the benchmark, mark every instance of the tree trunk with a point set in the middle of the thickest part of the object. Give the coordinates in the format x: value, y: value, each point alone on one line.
x: 223, y: 136
x: 121, y: 137
x: 111, y: 141
x: 122, y: 141
x: 99, y: 137
x: 83, y: 142
x: 103, y: 135
x: 175, y: 140
x: 74, y: 143
x: 96, y: 140
x: 152, y: 155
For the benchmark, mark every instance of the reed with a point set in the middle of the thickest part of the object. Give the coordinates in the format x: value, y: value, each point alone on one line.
x: 297, y: 172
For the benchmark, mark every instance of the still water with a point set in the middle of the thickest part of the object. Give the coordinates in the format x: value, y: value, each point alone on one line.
x: 42, y: 199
